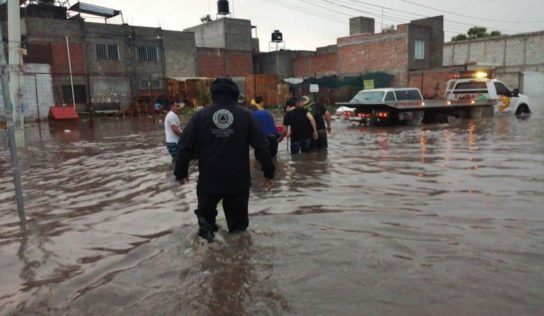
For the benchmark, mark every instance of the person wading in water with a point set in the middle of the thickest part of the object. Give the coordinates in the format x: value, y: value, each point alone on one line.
x: 223, y: 133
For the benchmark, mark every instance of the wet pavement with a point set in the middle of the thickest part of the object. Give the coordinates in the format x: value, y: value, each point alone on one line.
x: 432, y: 220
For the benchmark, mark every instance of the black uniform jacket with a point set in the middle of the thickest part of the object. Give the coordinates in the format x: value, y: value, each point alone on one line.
x: 222, y: 135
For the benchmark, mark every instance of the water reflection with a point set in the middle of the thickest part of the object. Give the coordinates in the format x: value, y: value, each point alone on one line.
x: 237, y: 281
x: 110, y: 231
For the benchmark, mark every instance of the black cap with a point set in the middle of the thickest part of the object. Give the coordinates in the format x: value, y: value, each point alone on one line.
x: 226, y: 87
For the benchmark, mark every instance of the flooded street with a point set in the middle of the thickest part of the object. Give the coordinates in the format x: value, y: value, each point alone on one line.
x: 431, y: 220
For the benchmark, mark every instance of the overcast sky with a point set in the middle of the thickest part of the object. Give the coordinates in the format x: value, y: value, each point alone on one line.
x: 307, y: 24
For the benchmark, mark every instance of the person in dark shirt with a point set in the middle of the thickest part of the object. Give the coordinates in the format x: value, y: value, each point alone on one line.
x: 268, y: 126
x: 223, y: 133
x: 301, y: 124
x: 322, y: 122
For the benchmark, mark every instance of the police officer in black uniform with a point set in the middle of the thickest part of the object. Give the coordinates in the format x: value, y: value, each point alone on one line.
x: 223, y: 133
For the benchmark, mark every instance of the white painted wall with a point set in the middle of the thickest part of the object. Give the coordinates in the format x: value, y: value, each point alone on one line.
x: 533, y: 84
x: 36, y: 101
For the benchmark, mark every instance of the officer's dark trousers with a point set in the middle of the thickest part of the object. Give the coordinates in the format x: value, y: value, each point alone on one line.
x: 235, y: 206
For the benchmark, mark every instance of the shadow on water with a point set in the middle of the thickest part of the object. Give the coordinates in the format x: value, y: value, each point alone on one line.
x: 439, y: 219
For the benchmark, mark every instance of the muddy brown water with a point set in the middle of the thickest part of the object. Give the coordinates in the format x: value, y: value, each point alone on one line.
x: 432, y: 220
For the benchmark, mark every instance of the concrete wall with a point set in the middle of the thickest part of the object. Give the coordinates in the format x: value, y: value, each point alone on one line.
x: 37, y: 91
x: 224, y: 33
x: 435, y: 29
x: 532, y: 84
x: 360, y: 25
x: 238, y: 34
x: 509, y: 55
x: 209, y: 34
x: 180, y: 54
x: 419, y: 33
x: 43, y: 29
x: 280, y: 63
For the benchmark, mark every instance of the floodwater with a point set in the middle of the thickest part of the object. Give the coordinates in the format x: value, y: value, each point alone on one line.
x: 432, y: 220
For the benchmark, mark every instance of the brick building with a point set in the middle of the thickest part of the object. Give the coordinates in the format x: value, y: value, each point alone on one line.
x: 110, y: 63
x: 413, y: 46
x: 225, y: 47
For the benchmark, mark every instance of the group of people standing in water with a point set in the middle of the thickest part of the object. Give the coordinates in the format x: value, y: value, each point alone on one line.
x: 221, y: 134
x: 307, y: 125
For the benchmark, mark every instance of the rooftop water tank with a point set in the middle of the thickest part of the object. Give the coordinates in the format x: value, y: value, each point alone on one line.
x: 223, y: 7
x: 277, y: 37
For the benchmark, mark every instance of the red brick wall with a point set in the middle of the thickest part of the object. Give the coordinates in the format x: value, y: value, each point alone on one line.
x: 432, y: 82
x: 386, y: 54
x: 219, y: 62
x: 60, y: 58
x: 359, y: 54
x: 318, y: 65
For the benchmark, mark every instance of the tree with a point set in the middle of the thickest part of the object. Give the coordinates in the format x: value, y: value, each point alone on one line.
x: 477, y: 32
x: 474, y: 33
x: 495, y: 33
x: 459, y: 37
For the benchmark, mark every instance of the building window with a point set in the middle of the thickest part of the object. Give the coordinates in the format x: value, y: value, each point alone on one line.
x: 148, y: 53
x: 107, y: 52
x: 420, y: 50
x: 156, y: 84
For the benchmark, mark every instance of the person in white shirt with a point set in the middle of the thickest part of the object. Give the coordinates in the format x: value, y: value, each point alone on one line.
x: 172, y: 129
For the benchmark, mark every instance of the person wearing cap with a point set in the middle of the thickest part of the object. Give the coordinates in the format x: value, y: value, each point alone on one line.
x: 172, y: 128
x: 223, y: 133
x: 300, y: 124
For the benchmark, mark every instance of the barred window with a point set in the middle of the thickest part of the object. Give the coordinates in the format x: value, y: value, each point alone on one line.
x: 107, y: 52
x: 148, y: 53
x: 156, y: 84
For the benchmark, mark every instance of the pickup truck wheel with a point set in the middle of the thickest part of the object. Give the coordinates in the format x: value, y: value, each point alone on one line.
x: 523, y: 111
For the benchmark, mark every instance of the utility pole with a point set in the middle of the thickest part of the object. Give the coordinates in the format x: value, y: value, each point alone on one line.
x: 70, y: 70
x: 6, y: 80
x: 14, y: 59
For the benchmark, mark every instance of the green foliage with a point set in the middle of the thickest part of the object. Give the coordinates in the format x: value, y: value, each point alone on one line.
x: 495, y: 33
x: 474, y: 33
x: 477, y: 32
x: 459, y: 37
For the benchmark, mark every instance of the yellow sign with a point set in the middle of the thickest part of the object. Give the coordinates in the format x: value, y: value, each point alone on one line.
x: 368, y: 84
x: 504, y: 103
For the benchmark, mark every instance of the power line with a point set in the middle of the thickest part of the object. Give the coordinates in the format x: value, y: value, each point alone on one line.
x: 421, y: 15
x: 305, y: 10
x: 472, y: 17
x: 394, y: 18
x: 398, y: 13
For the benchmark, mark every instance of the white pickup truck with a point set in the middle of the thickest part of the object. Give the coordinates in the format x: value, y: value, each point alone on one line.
x: 504, y: 99
x: 463, y: 98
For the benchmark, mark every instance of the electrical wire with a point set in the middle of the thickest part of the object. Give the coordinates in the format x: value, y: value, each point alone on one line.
x: 470, y: 16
